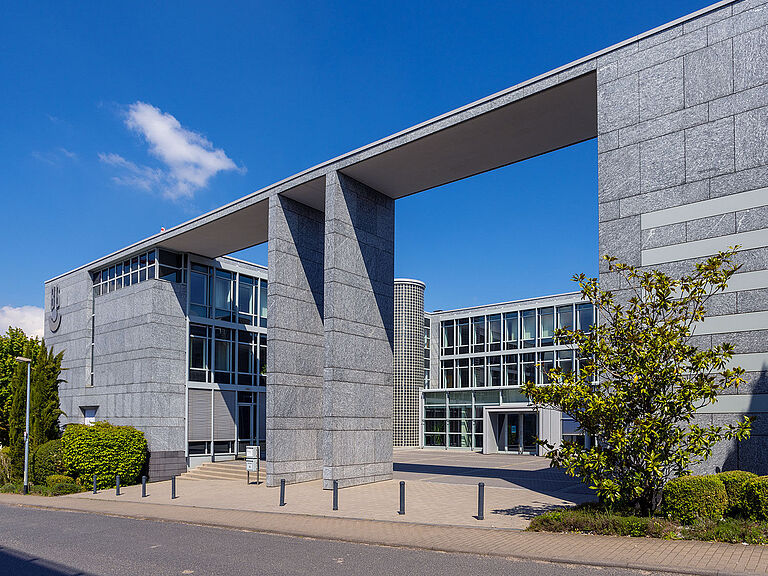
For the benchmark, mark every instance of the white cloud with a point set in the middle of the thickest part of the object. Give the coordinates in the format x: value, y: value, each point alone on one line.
x: 28, y: 318
x: 190, y: 159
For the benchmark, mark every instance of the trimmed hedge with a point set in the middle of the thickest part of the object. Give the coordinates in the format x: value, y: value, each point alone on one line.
x: 735, y: 483
x: 756, y: 497
x: 54, y: 479
x: 690, y: 497
x: 46, y: 461
x: 104, y: 450
x: 64, y: 488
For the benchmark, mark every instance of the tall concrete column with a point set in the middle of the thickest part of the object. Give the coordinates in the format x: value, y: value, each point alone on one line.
x: 359, y: 313
x: 295, y: 344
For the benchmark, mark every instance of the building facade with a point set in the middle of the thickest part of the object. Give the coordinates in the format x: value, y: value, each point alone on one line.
x: 174, y: 344
x: 483, y: 355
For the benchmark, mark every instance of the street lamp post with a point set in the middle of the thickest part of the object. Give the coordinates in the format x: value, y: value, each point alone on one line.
x: 26, y: 429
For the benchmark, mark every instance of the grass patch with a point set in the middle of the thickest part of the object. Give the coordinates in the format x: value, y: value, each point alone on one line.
x: 42, y: 489
x: 591, y: 519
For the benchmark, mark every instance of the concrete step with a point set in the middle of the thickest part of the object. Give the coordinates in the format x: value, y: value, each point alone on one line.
x: 233, y: 470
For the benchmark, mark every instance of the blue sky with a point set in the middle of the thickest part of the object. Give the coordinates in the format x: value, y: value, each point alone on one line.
x: 117, y: 119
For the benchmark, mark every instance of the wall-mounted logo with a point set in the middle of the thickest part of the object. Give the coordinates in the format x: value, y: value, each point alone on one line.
x: 54, y: 317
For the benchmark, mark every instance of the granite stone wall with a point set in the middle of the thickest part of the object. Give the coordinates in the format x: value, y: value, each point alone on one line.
x: 359, y: 316
x: 683, y: 171
x: 295, y: 347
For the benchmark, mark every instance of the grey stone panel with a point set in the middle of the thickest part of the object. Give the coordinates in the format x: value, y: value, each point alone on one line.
x: 665, y: 198
x: 621, y: 239
x: 618, y: 173
x: 707, y: 19
x: 752, y: 138
x: 359, y: 324
x: 739, y: 102
x: 740, y: 23
x: 617, y: 104
x: 752, y: 300
x: 709, y: 149
x: 607, y: 141
x: 744, y: 342
x: 661, y: 89
x: 741, y: 181
x: 710, y: 227
x: 751, y: 59
x: 663, y: 235
x: 663, y: 52
x: 295, y: 345
x: 662, y: 162
x: 608, y: 210
x: 721, y: 304
x: 752, y: 219
x: 708, y: 73
x: 662, y: 125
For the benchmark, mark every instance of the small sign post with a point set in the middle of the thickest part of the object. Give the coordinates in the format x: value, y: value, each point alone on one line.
x: 252, y: 462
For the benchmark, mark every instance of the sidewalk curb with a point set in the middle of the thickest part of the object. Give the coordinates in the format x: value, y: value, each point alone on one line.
x: 451, y: 539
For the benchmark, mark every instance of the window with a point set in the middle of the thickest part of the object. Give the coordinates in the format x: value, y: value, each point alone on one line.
x: 89, y: 414
x: 478, y: 334
x: 546, y: 363
x: 528, y: 367
x: 446, y: 342
x: 494, y: 370
x: 462, y: 336
x: 245, y: 358
x: 547, y: 326
x: 462, y: 373
x: 585, y: 316
x: 123, y: 274
x: 478, y: 372
x: 446, y: 372
x: 510, y: 330
x: 262, y: 359
x: 246, y: 300
x: 200, y: 291
x: 199, y: 352
x: 494, y: 333
x: 263, y: 303
x: 223, y: 361
x: 171, y: 266
x: 528, y: 320
x: 222, y: 294
x: 565, y: 361
x: 510, y: 370
x: 565, y: 317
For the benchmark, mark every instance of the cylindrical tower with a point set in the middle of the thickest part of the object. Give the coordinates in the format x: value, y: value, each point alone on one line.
x: 409, y: 360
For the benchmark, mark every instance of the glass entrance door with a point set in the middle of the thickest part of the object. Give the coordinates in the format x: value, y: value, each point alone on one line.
x: 518, y: 432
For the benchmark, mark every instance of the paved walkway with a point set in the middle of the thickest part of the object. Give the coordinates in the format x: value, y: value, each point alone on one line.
x: 686, y: 557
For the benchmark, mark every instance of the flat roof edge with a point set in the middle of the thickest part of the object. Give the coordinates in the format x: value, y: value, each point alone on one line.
x: 519, y: 301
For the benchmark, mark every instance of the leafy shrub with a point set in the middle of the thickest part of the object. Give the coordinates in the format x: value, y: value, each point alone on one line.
x: 756, y: 497
x: 6, y: 469
x: 734, y: 530
x: 46, y: 461
x: 690, y: 497
x: 594, y: 521
x: 104, y: 450
x: 54, y: 479
x: 64, y: 488
x: 734, y: 482
x: 10, y: 488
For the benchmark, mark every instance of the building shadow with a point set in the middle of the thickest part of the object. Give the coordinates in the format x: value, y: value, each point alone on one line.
x: 13, y: 563
x: 528, y: 512
x: 549, y: 481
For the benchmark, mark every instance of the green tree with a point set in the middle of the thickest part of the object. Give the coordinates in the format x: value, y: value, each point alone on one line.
x: 12, y: 344
x: 44, y: 408
x: 639, y: 396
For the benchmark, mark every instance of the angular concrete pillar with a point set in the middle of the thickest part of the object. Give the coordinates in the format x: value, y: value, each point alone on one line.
x: 295, y: 345
x: 359, y: 316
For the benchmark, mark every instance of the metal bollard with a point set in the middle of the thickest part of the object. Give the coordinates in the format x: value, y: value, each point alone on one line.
x: 173, y: 487
x: 143, y: 486
x: 402, y: 498
x: 335, y: 494
x: 282, y: 492
x: 95, y: 489
x: 117, y: 484
x: 481, y: 501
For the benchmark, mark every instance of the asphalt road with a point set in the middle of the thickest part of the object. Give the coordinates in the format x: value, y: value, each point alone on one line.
x: 51, y: 543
